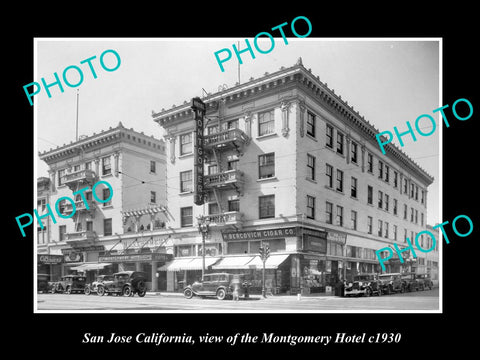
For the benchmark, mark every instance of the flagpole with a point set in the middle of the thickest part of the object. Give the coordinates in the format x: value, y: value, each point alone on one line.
x: 76, y: 119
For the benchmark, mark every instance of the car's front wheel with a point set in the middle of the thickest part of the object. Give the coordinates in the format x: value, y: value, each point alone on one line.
x: 87, y: 290
x: 127, y: 291
x: 221, y: 294
x: 68, y: 290
x: 100, y: 290
x: 142, y: 293
x: 188, y: 293
x: 368, y: 292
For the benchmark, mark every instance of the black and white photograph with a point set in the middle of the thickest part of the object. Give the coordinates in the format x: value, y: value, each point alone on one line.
x: 215, y: 183
x: 262, y: 188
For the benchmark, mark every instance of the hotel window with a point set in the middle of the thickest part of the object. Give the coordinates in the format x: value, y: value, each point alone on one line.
x: 370, y: 163
x: 411, y: 214
x: 394, y: 232
x: 369, y: 224
x: 405, y: 186
x: 266, y: 166
x: 106, y: 166
x: 412, y: 188
x: 421, y: 219
x: 380, y: 169
x: 266, y: 123
x: 232, y: 165
x: 234, y: 205
x: 329, y: 173
x: 310, y: 207
x: 107, y: 227
x: 387, y: 199
x: 311, y: 167
x: 416, y: 216
x: 186, y: 181
x: 89, y: 225
x: 88, y: 165
x: 153, y: 166
x: 266, y: 206
x: 395, y: 204
x: 78, y: 227
x: 416, y: 192
x: 76, y: 168
x: 186, y: 216
x: 62, y: 230
x: 232, y: 124
x: 153, y: 197
x: 353, y: 190
x: 185, y: 144
x: 354, y: 152
x: 329, y: 212
x: 405, y: 209
x: 370, y: 195
x: 380, y: 199
x: 386, y: 229
x: 213, y: 209
x: 395, y: 179
x: 310, y: 124
x: 405, y: 235
x: 339, y: 143
x: 61, y: 174
x: 340, y: 180
x: 387, y: 173
x: 339, y: 215
x: 329, y: 134
x: 380, y: 227
x: 106, y: 195
x: 354, y: 220
x: 423, y: 197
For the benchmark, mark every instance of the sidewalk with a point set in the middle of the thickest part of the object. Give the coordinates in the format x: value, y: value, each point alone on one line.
x: 254, y: 296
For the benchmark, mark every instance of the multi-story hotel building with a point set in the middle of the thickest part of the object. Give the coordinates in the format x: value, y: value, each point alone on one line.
x: 124, y: 233
x: 290, y: 164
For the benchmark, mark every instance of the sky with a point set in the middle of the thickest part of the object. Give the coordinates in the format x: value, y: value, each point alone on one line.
x: 388, y: 81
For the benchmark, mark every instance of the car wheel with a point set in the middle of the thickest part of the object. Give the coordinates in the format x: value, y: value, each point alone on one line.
x: 53, y: 290
x: 402, y: 289
x: 368, y: 292
x: 100, y: 291
x: 87, y: 291
x: 188, y: 293
x: 221, y: 294
x: 127, y: 291
x: 68, y: 290
x: 142, y: 293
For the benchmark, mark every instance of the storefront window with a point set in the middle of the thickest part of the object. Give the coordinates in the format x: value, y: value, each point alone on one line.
x: 237, y: 247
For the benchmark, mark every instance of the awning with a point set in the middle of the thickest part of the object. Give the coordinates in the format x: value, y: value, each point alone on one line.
x: 234, y: 262
x: 181, y: 264
x: 91, y: 266
x: 273, y: 261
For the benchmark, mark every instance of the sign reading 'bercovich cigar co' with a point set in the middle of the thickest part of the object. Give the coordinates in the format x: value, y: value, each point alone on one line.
x: 260, y: 234
x: 199, y: 109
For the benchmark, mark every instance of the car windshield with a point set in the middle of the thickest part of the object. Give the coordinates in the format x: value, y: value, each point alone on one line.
x: 122, y: 277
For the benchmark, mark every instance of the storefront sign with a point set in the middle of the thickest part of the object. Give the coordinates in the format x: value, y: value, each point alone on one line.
x: 199, y: 108
x: 315, y: 244
x: 135, y: 257
x: 49, y: 259
x: 337, y: 237
x: 73, y: 256
x: 85, y: 248
x: 142, y: 243
x: 260, y: 234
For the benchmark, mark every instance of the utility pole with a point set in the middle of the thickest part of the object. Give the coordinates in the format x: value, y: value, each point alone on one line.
x: 264, y: 252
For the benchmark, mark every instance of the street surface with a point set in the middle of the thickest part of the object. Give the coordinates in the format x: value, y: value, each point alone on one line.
x: 421, y: 300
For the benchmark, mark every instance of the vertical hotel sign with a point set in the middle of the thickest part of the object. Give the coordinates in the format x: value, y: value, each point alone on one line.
x: 199, y: 109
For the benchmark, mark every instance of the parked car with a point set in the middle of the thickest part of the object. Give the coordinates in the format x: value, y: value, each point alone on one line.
x: 392, y: 282
x: 364, y: 284
x: 127, y: 283
x: 410, y: 281
x: 424, y: 281
x: 69, y: 284
x: 43, y: 284
x: 101, y: 279
x: 221, y: 285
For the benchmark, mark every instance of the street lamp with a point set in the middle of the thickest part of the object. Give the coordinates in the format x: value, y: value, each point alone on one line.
x: 203, y: 228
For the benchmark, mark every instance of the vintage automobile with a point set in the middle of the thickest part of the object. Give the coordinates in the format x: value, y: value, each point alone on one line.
x: 424, y: 281
x: 69, y: 284
x: 391, y: 283
x: 126, y: 283
x: 101, y: 279
x: 43, y: 284
x: 221, y: 285
x: 410, y: 281
x: 364, y: 284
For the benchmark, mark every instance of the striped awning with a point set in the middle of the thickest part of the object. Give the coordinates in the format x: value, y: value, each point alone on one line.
x: 144, y: 211
x: 181, y: 264
x: 90, y: 266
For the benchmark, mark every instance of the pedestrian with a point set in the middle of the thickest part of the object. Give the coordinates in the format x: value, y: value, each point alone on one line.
x: 235, y: 292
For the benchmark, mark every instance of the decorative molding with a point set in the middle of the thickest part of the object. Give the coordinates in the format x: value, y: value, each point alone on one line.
x: 301, y: 108
x: 285, y: 108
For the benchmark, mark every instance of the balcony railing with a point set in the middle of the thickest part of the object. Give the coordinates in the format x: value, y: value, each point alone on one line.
x: 223, y: 179
x: 227, y: 138
x: 86, y: 235
x: 79, y: 206
x: 231, y: 217
x: 82, y: 176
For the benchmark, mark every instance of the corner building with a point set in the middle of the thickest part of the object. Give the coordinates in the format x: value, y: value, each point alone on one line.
x: 126, y: 232
x: 290, y: 164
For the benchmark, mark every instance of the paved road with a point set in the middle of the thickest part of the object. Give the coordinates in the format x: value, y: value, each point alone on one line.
x: 422, y: 300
